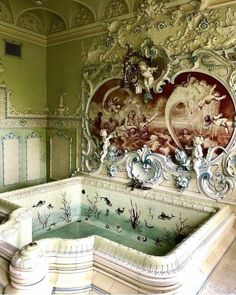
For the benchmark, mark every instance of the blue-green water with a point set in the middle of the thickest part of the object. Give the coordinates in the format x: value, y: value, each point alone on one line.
x: 131, y: 238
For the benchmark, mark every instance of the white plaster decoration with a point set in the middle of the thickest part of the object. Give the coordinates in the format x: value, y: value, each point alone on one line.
x: 10, y: 158
x: 83, y: 17
x: 33, y: 157
x: 28, y: 271
x: 17, y: 229
x: 60, y: 156
x: 56, y: 25
x: 29, y: 21
x: 11, y: 118
x: 5, y: 15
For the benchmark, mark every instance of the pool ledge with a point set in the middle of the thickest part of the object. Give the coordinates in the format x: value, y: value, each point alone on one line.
x: 114, y: 268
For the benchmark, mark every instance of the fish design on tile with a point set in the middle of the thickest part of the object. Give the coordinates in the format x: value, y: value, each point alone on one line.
x: 120, y: 210
x: 50, y: 206
x: 148, y: 225
x: 107, y: 201
x: 164, y: 216
x: 118, y: 228
x: 142, y: 238
x: 39, y: 204
x: 157, y: 242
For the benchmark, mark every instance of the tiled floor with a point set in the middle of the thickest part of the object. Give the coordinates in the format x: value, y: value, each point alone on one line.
x: 223, y: 279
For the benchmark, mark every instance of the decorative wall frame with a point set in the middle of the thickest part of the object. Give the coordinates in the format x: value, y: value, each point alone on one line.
x: 10, y: 159
x: 46, y: 118
x: 33, y: 157
x: 58, y: 172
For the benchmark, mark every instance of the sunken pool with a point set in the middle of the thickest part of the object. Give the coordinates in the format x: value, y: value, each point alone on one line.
x: 150, y: 226
x: 98, y: 233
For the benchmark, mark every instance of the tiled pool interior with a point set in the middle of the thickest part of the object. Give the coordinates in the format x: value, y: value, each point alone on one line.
x: 148, y: 226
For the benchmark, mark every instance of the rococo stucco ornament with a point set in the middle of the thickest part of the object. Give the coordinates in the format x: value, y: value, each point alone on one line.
x: 146, y: 56
x: 60, y: 117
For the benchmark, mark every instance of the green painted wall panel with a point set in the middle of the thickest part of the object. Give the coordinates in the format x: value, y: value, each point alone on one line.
x: 25, y: 76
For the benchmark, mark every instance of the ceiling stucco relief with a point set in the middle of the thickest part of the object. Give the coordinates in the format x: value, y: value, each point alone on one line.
x: 56, y: 25
x: 82, y: 16
x: 179, y: 31
x: 30, y: 21
x: 115, y: 8
x: 5, y: 14
x: 41, y: 21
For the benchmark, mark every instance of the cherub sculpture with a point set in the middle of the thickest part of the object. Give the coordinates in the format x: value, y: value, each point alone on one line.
x: 147, y: 75
x: 197, y: 153
x: 105, y: 143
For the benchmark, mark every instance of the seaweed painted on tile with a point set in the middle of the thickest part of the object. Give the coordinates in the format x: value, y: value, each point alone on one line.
x: 134, y: 215
x: 181, y: 230
x: 66, y: 208
x: 43, y: 218
x: 178, y: 233
x: 92, y: 211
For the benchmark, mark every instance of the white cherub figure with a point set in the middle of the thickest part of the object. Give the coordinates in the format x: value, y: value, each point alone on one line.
x: 147, y: 74
x: 106, y: 143
x: 197, y: 153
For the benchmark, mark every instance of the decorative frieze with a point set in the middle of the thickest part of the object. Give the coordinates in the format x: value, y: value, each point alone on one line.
x: 46, y: 118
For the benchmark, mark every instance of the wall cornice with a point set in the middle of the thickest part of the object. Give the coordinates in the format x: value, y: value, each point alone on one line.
x: 60, y: 37
x: 22, y: 34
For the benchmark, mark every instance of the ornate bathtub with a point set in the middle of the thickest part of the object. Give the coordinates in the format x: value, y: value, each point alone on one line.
x: 104, y: 266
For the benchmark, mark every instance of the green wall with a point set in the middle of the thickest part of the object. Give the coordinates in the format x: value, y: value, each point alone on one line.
x: 25, y: 76
x: 64, y: 64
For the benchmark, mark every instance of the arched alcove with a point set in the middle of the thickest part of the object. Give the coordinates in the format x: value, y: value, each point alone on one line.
x: 81, y: 15
x: 5, y: 14
x: 41, y: 20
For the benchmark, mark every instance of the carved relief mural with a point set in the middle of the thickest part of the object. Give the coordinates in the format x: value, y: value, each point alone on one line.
x: 5, y: 15
x: 84, y: 16
x: 115, y: 8
x: 30, y: 21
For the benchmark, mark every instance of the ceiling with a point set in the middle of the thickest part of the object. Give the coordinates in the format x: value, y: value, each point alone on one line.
x: 51, y: 16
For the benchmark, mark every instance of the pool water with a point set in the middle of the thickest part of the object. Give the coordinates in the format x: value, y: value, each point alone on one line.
x: 153, y: 244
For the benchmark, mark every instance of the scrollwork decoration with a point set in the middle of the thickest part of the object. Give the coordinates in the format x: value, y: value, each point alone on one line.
x: 145, y: 166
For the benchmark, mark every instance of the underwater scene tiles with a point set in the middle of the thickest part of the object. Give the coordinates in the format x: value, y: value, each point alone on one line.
x: 148, y: 226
